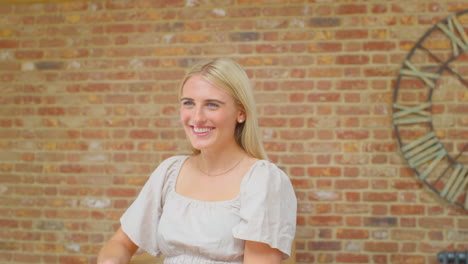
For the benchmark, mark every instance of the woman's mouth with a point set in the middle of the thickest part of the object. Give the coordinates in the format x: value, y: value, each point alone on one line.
x: 202, y: 130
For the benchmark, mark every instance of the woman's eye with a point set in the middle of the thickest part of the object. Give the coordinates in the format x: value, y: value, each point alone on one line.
x: 213, y: 105
x: 187, y: 103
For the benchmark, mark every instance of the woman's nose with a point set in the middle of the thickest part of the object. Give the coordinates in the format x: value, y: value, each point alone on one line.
x: 199, y: 115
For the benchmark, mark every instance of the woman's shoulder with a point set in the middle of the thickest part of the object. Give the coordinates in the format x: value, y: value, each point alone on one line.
x: 169, y: 166
x: 265, y: 172
x: 267, y: 167
x: 172, y: 160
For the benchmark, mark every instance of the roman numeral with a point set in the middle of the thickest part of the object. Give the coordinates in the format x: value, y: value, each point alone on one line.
x: 452, y: 29
x: 428, y: 78
x: 402, y: 117
x: 426, y: 149
x: 455, y: 185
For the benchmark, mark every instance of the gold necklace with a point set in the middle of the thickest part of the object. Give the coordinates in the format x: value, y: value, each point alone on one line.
x: 218, y: 174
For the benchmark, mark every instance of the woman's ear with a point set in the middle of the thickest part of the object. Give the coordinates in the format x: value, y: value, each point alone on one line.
x: 241, y: 116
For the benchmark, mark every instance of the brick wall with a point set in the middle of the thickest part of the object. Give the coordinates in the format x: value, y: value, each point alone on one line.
x: 89, y: 108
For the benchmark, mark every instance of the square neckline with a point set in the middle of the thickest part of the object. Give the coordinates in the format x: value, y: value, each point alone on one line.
x: 228, y: 201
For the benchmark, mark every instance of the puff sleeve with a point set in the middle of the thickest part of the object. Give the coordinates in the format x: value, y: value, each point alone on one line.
x: 268, y: 208
x: 141, y: 220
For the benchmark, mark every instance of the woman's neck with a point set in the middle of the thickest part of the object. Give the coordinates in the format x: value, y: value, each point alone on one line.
x: 217, y: 162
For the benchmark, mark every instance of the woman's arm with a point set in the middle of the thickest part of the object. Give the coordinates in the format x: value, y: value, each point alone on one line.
x: 261, y: 253
x: 118, y: 250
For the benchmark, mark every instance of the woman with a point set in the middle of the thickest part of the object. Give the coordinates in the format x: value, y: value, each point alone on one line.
x: 225, y: 203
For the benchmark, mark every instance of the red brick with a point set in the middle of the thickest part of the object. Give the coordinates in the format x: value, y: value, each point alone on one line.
x: 325, y: 220
x: 49, y: 19
x: 351, y: 9
x: 297, y: 135
x: 121, y: 192
x: 379, y: 8
x: 436, y: 222
x: 387, y: 247
x: 29, y: 54
x: 324, y: 172
x: 271, y: 48
x: 325, y: 47
x: 73, y: 260
x: 352, y: 59
x: 408, y: 184
x: 351, y: 184
x: 353, y: 110
x: 25, y: 258
x: 352, y: 258
x: 353, y: 197
x: 407, y: 209
x: 408, y: 259
x: 414, y: 235
x: 8, y: 223
x: 305, y: 257
x: 283, y: 11
x: 324, y: 97
x: 380, y: 259
x: 297, y: 159
x: 353, y: 134
x: 379, y: 46
x: 324, y: 245
x: 380, y: 197
x: 119, y: 5
x: 326, y: 72
x: 120, y: 28
x: 9, y: 44
x: 301, y: 183
x: 352, y: 34
x: 352, y: 234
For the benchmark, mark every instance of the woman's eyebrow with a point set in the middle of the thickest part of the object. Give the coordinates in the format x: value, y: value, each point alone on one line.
x: 207, y: 100
x: 215, y: 100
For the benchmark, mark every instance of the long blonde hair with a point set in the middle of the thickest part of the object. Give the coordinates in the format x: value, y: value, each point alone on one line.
x: 231, y: 77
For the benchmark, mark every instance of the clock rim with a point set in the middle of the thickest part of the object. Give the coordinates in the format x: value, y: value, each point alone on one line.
x: 451, y: 161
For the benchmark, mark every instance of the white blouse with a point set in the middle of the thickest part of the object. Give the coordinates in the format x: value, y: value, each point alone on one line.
x: 161, y: 221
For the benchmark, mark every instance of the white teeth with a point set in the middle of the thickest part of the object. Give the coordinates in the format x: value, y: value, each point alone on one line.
x: 201, y: 130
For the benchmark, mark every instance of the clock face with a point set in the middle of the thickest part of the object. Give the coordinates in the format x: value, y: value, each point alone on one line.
x: 430, y: 108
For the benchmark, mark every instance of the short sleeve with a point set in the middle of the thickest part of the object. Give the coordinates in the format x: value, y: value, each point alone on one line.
x: 141, y: 220
x: 268, y: 208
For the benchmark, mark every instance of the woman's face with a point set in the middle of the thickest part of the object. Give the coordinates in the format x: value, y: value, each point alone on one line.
x: 209, y: 115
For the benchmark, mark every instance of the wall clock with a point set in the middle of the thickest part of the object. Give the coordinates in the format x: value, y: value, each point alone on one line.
x: 430, y: 108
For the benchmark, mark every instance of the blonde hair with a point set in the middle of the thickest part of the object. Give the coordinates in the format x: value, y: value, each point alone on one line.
x: 231, y: 77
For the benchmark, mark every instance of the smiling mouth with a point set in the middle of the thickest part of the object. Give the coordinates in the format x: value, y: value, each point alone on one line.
x: 202, y: 130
